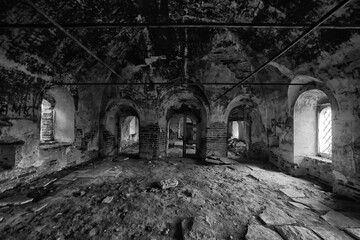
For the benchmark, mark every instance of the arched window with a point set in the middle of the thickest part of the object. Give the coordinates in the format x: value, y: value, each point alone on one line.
x: 312, y: 125
x: 324, y: 131
x: 57, y: 117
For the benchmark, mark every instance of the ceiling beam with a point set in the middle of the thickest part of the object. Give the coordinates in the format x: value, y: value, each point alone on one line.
x: 178, y: 25
x: 170, y: 83
x: 58, y: 26
x: 293, y: 43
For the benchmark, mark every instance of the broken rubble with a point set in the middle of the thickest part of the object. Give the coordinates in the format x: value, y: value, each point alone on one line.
x: 312, y: 203
x: 168, y: 183
x: 197, y: 228
x: 259, y: 232
x: 275, y: 216
x: 339, y: 220
x: 292, y: 193
x: 296, y: 233
x: 330, y: 233
x: 108, y: 199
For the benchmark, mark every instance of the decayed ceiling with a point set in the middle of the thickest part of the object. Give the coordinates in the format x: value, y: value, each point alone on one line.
x: 46, y: 51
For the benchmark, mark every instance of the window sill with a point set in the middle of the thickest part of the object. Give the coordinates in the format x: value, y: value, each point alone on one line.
x: 319, y: 159
x: 54, y: 145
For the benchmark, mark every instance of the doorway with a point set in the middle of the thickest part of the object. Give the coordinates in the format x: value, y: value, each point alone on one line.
x: 128, y: 135
x: 183, y: 136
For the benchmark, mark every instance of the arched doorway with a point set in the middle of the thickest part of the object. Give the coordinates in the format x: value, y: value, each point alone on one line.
x: 183, y: 135
x: 121, y: 131
x: 186, y: 127
x: 239, y: 131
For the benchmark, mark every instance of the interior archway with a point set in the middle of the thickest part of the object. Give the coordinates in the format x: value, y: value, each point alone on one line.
x: 186, y: 125
x: 121, y: 131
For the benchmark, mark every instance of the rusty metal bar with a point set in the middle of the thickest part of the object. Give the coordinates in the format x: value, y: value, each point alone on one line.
x: 293, y: 43
x: 176, y: 25
x: 170, y: 83
x: 58, y: 26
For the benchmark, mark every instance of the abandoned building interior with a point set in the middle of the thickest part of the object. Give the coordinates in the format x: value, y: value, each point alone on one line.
x: 178, y: 119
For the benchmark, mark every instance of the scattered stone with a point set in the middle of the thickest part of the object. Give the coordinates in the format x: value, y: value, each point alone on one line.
x: 232, y: 168
x: 93, y: 232
x: 108, y: 199
x: 258, y: 232
x: 293, y: 193
x: 296, y: 233
x: 1, y: 219
x: 275, y: 216
x: 165, y: 232
x: 112, y: 172
x: 330, y: 233
x: 354, y: 232
x: 313, y: 204
x: 82, y: 193
x: 339, y: 220
x: 299, y: 205
x: 15, y: 200
x: 197, y: 228
x: 168, y: 183
x: 35, y: 210
x: 214, y: 161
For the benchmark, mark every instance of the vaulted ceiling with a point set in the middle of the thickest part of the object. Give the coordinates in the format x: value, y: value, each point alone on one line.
x: 46, y: 51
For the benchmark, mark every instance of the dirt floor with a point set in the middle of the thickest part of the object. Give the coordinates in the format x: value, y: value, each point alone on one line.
x: 123, y: 198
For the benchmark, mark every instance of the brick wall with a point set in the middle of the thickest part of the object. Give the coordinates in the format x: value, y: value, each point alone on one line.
x: 318, y: 169
x: 216, y: 139
x: 151, y: 141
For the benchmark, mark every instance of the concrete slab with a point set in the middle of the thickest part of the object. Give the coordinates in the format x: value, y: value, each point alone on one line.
x: 330, y: 233
x: 275, y: 216
x: 313, y: 204
x: 293, y: 193
x: 339, y: 220
x: 296, y: 233
x: 259, y: 232
x: 354, y: 232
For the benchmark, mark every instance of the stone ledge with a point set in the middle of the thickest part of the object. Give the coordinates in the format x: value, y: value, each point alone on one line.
x: 319, y: 159
x: 54, y: 145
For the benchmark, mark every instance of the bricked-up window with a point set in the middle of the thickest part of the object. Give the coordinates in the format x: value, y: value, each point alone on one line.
x: 324, y: 131
x: 47, y: 121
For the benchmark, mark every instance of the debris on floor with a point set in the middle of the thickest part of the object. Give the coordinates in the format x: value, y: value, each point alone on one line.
x: 108, y: 199
x: 275, y: 216
x: 198, y: 202
x: 295, y: 233
x: 329, y: 233
x: 168, y: 183
x: 339, y: 220
x: 15, y: 200
x: 259, y: 232
x: 292, y: 193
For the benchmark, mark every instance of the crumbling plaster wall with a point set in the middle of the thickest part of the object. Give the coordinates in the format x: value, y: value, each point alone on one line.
x: 23, y: 85
x: 339, y: 73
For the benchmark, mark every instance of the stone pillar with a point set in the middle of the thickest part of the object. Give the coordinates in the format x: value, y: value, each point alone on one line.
x: 216, y: 139
x: 152, y: 141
